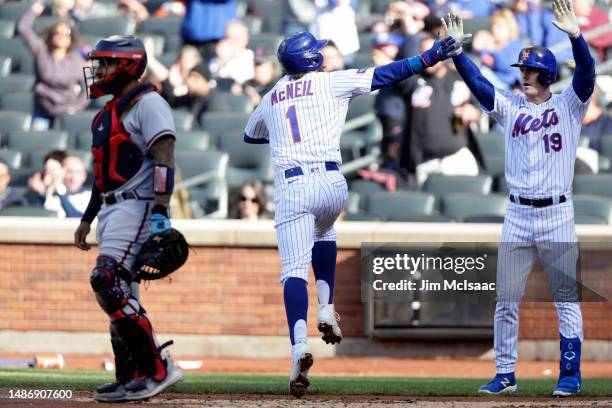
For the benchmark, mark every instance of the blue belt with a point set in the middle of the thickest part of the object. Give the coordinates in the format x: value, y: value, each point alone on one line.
x: 297, y: 171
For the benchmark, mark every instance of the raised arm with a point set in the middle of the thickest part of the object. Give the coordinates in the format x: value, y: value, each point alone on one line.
x: 399, y: 70
x: 480, y: 87
x: 584, y: 75
x: 24, y: 27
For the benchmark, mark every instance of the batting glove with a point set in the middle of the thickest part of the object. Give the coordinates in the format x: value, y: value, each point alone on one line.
x: 565, y: 18
x: 441, y: 50
x: 454, y: 28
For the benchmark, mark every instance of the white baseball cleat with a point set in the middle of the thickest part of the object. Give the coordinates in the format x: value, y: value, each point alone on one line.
x: 148, y: 387
x: 327, y: 323
x: 301, y: 361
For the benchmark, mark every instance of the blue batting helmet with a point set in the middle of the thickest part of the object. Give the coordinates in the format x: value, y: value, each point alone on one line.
x: 300, y: 52
x: 540, y: 58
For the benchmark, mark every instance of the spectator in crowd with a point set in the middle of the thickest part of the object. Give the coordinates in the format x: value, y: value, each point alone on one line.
x: 471, y: 8
x: 173, y: 80
x: 61, y: 8
x: 591, y: 17
x: 45, y: 184
x: 8, y: 196
x: 204, y: 23
x: 263, y: 80
x: 298, y: 15
x: 134, y: 8
x: 408, y: 19
x: 439, y: 106
x: 597, y: 123
x: 85, y: 9
x: 199, y: 85
x: 333, y: 60
x: 60, y: 86
x: 233, y: 60
x: 389, y: 103
x: 250, y: 203
x: 70, y: 197
x: 336, y: 21
x: 499, y: 48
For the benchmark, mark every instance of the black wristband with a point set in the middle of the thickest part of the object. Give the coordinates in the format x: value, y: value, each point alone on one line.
x: 160, y: 209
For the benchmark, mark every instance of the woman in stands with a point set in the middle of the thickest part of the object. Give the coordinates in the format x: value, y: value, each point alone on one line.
x: 60, y: 86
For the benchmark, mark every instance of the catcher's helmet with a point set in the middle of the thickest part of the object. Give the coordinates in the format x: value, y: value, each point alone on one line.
x: 132, y: 57
x: 540, y: 58
x: 300, y: 52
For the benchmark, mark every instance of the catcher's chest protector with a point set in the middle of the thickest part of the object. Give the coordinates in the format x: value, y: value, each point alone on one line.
x: 116, y: 158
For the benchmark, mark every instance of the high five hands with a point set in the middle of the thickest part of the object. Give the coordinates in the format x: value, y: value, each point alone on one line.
x: 454, y: 28
x: 565, y: 18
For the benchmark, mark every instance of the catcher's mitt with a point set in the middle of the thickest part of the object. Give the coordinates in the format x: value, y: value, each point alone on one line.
x: 161, y: 255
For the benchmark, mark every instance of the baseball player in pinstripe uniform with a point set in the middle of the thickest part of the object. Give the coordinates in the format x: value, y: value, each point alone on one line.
x: 302, y: 119
x: 541, y: 136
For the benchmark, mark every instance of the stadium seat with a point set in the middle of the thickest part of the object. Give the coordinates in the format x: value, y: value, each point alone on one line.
x: 195, y: 140
x: 220, y: 101
x: 399, y: 204
x: 16, y: 83
x: 219, y: 124
x: 173, y: 44
x: 420, y: 218
x: 82, y: 140
x: 193, y: 163
x: 27, y: 211
x: 167, y: 59
x: 164, y: 26
x: 78, y: 122
x: 183, y: 119
x: 596, y: 184
x: 362, y: 217
x: 26, y: 140
x: 365, y: 43
x: 606, y: 147
x: 13, y: 158
x: 380, y: 6
x: 11, y: 121
x: 589, y: 219
x: 364, y: 187
x: 98, y: 103
x: 491, y: 146
x: 370, y: 132
x: 353, y: 203
x: 20, y: 176
x: 463, y: 205
x: 21, y: 58
x: 107, y: 26
x: 90, y: 39
x: 7, y: 28
x: 5, y: 66
x: 42, y: 23
x: 440, y: 184
x: 491, y: 219
x: 36, y: 157
x: 272, y: 12
x: 13, y: 10
x: 362, y: 60
x: 246, y: 161
x: 18, y: 101
x: 593, y: 206
x: 267, y: 42
x: 210, y: 201
x: 254, y: 24
x: 362, y: 105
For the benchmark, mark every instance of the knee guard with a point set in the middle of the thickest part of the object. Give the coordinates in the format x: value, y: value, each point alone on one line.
x: 105, y: 280
x: 136, y: 335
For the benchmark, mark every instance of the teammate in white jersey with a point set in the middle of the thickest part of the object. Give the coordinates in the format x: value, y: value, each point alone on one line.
x: 133, y: 150
x: 541, y: 136
x: 302, y: 118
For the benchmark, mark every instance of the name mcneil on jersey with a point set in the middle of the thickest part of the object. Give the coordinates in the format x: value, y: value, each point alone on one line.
x: 293, y: 90
x: 526, y: 123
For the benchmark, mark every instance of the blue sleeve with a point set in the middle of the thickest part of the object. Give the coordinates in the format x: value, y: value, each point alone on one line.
x: 584, y: 75
x: 481, y: 88
x: 396, y: 71
x: 252, y: 140
x: 95, y: 202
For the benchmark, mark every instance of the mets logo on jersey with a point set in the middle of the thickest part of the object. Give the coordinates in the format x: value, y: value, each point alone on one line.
x: 526, y: 123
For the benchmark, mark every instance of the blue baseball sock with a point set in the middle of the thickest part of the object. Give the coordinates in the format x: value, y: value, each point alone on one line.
x: 324, y: 266
x: 296, y: 307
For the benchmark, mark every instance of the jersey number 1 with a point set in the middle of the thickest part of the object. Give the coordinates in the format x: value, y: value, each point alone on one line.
x: 293, y: 123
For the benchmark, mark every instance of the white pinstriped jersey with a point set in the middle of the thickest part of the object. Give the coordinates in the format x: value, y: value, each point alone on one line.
x: 303, y: 118
x: 541, y: 141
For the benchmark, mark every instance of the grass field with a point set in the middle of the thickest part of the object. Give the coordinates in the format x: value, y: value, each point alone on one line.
x: 198, y: 383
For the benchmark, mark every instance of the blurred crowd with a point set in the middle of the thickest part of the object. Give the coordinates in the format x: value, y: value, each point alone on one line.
x: 428, y: 121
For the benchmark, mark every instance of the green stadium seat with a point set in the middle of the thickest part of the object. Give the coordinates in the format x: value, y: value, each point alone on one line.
x: 246, y: 161
x: 42, y: 23
x: 589, y: 219
x: 13, y: 10
x: 440, y: 184
x: 7, y: 28
x: 362, y: 217
x: 606, y: 147
x: 210, y: 201
x: 491, y: 219
x: 16, y: 83
x: 173, y: 44
x: 362, y: 60
x: 420, y: 218
x: 183, y: 119
x: 193, y: 163
x: 164, y: 26
x: 268, y: 42
x: 27, y: 211
x: 36, y: 157
x: 220, y: 124
x: 17, y: 101
x: 167, y: 59
x: 82, y: 140
x: 463, y: 205
x: 5, y: 66
x: 365, y: 187
x: 20, y: 176
x: 26, y: 140
x: 399, y: 204
x: 78, y: 122
x: 593, y: 206
x: 13, y: 158
x: 227, y: 102
x: 195, y: 140
x: 11, y: 121
x: 491, y: 146
x: 596, y: 184
x: 107, y: 26
x: 21, y: 58
x: 353, y: 203
x: 98, y: 103
x: 254, y: 24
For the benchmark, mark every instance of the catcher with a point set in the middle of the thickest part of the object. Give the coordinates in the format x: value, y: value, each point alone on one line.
x: 133, y: 150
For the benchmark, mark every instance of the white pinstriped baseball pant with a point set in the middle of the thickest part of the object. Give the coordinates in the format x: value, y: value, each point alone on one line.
x: 553, y: 232
x: 307, y: 207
